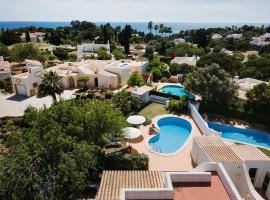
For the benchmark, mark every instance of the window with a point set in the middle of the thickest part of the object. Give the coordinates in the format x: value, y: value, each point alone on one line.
x: 252, y: 174
x: 35, y: 85
x: 266, y: 182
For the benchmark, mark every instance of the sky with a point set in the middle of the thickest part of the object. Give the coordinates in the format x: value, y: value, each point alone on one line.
x: 231, y: 11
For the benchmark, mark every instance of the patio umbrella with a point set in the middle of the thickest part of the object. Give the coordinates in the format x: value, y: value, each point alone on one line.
x: 131, y: 133
x: 136, y: 119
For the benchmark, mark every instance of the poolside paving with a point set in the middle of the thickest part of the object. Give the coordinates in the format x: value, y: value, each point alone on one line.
x: 181, y: 161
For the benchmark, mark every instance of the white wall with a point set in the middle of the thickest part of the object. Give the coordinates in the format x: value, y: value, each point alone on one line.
x: 200, y: 122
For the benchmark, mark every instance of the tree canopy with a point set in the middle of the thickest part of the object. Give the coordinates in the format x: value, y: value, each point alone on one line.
x: 56, y: 151
x: 135, y: 79
x: 213, y: 84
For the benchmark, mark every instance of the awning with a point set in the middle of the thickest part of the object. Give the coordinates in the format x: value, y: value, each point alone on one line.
x: 136, y: 119
x: 131, y: 133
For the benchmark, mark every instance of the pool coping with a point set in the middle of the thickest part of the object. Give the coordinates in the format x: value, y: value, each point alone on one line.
x: 156, y: 125
x: 236, y: 141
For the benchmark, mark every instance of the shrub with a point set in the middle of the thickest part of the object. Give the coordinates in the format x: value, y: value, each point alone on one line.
x: 125, y: 161
x: 61, y: 54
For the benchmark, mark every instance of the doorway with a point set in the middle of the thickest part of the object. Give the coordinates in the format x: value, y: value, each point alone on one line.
x: 96, y: 82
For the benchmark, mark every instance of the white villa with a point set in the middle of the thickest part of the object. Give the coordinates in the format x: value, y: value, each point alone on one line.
x: 92, y: 47
x: 4, y: 69
x: 216, y: 36
x: 179, y: 41
x: 261, y: 40
x: 36, y: 37
x: 236, y: 36
x: 246, y: 84
x: 108, y: 74
x: 186, y: 60
x: 26, y: 84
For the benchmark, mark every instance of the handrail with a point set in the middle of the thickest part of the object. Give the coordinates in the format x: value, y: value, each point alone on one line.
x: 155, y: 148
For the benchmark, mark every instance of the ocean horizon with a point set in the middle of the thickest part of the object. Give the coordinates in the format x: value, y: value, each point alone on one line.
x: 140, y: 26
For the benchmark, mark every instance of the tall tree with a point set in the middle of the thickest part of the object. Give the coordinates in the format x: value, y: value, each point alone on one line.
x: 27, y: 37
x: 156, y: 27
x: 51, y: 85
x: 213, y: 84
x: 126, y: 38
x: 150, y: 26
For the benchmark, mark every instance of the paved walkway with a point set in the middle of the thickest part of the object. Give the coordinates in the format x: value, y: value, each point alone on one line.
x: 181, y: 161
x: 14, y: 105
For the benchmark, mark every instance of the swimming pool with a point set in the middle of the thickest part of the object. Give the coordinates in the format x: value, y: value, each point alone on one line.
x: 248, y: 136
x: 176, y: 91
x: 174, y: 133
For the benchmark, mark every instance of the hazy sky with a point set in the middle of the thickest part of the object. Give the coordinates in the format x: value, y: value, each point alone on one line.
x: 136, y: 10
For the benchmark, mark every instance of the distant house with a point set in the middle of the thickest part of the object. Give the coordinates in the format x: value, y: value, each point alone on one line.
x: 236, y: 36
x: 4, y: 69
x: 246, y: 84
x: 216, y: 36
x: 261, y: 40
x: 92, y: 47
x: 26, y: 84
x: 36, y: 37
x: 179, y: 41
x: 228, y: 52
x: 186, y: 60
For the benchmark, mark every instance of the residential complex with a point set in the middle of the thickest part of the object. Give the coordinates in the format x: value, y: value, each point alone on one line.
x: 261, y: 40
x: 102, y: 74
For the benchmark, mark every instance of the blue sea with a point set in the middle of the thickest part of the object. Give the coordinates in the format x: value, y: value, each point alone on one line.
x: 140, y: 26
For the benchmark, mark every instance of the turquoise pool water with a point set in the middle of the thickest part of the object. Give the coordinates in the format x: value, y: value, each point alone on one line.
x: 249, y: 136
x: 176, y: 91
x: 174, y: 132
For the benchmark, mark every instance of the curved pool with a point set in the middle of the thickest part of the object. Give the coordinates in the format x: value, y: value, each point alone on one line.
x: 174, y: 133
x: 176, y: 90
x: 242, y: 135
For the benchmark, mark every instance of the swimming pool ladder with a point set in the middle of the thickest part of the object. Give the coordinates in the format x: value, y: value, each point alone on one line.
x: 155, y: 148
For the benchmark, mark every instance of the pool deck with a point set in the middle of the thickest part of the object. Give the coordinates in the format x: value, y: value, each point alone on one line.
x: 180, y: 161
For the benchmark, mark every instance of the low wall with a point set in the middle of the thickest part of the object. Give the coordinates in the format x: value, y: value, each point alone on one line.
x: 191, y: 177
x: 147, y: 194
x: 200, y: 122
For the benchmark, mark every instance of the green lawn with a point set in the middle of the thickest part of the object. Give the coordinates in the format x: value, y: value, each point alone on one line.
x: 266, y: 152
x: 153, y: 110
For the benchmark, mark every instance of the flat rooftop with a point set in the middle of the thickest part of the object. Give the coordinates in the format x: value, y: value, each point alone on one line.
x: 203, y: 191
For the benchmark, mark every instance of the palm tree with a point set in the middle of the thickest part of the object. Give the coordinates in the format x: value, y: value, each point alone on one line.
x: 150, y: 26
x: 51, y: 85
x: 156, y: 27
x: 84, y: 79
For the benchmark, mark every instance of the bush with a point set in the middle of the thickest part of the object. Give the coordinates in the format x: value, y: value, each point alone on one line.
x: 73, y: 57
x: 118, y: 54
x: 125, y: 161
x: 61, y: 54
x: 103, y: 54
x: 135, y: 79
x: 178, y: 105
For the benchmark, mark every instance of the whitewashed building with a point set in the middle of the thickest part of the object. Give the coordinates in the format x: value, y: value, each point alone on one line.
x: 235, y: 36
x: 36, y: 37
x: 26, y: 84
x: 92, y: 47
x: 186, y: 60
x: 5, y: 71
x: 261, y: 40
x: 216, y: 36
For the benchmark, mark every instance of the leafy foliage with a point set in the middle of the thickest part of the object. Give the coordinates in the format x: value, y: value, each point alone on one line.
x: 20, y: 52
x: 176, y: 68
x: 118, y: 54
x: 259, y: 99
x: 103, y: 54
x: 50, y: 85
x: 213, y: 84
x: 57, y: 150
x: 135, y: 79
x: 125, y: 102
